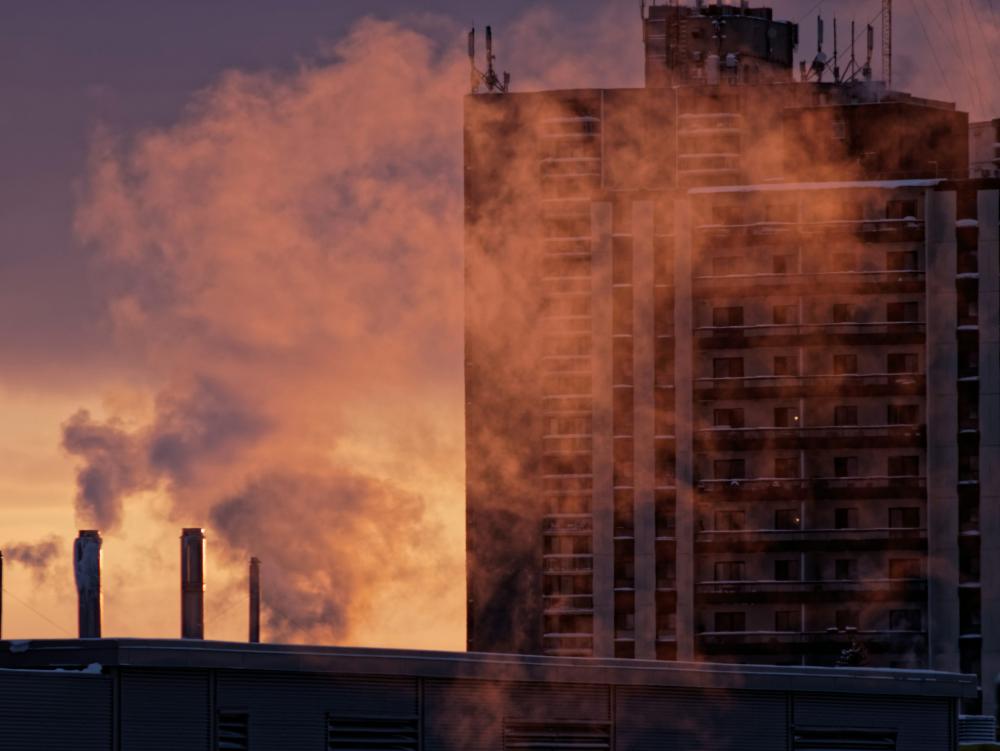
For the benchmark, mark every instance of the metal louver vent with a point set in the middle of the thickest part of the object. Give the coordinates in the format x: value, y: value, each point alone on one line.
x: 844, y: 739
x: 556, y: 735
x: 371, y: 733
x: 232, y: 731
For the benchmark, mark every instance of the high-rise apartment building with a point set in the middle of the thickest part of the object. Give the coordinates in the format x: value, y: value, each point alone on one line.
x: 732, y: 365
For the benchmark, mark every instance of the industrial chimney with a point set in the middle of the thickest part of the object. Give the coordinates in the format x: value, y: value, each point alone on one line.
x: 87, y: 571
x: 193, y: 583
x: 254, y: 600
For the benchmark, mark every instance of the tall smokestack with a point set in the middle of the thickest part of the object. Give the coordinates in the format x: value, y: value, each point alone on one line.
x: 1, y: 594
x: 193, y: 583
x: 254, y: 600
x: 87, y: 571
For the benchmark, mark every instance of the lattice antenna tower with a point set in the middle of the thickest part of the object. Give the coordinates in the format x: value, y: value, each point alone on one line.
x: 887, y: 42
x: 489, y: 78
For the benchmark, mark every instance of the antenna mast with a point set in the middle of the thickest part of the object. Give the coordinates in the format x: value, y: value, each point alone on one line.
x: 490, y: 77
x: 887, y: 42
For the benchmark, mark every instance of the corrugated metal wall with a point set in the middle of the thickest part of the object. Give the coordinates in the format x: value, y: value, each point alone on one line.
x: 288, y: 711
x: 164, y: 710
x: 55, y: 711
x: 923, y: 724
x: 469, y: 714
x: 652, y: 719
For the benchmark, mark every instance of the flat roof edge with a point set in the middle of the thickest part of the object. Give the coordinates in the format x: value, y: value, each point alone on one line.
x: 181, y: 654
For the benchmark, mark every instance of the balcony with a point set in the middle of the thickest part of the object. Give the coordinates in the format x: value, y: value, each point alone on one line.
x: 707, y: 283
x: 562, y: 604
x: 811, y: 590
x: 818, y: 437
x: 812, y: 540
x: 775, y: 488
x: 810, y: 642
x: 827, y: 384
x: 567, y: 563
x: 770, y: 233
x: 806, y: 334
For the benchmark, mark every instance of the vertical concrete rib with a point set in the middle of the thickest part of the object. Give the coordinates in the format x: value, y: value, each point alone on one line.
x: 989, y: 439
x: 942, y: 430
x: 684, y: 418
x: 643, y: 368
x: 603, y: 439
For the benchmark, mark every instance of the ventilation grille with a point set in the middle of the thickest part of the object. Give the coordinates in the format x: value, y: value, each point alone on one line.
x: 842, y: 739
x: 371, y: 734
x: 232, y: 731
x: 556, y: 735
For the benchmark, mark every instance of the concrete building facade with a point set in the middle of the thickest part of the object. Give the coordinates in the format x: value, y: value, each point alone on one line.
x: 732, y: 375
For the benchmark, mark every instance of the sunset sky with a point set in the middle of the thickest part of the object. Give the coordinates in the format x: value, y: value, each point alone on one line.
x: 231, y: 289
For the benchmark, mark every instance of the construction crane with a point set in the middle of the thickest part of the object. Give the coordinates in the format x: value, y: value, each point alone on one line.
x: 887, y: 42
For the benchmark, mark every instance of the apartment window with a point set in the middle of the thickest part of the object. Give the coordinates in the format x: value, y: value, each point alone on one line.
x: 728, y: 316
x: 784, y: 365
x: 904, y: 568
x: 968, y: 467
x: 786, y: 569
x: 902, y: 414
x: 899, y: 312
x: 904, y: 517
x: 624, y: 621
x: 730, y: 570
x: 901, y: 260
x: 845, y: 518
x: 781, y: 264
x: 844, y: 313
x: 787, y: 518
x: 783, y: 314
x: 902, y: 208
x: 845, y: 619
x: 901, y: 362
x: 903, y: 466
x: 729, y: 469
x: 845, y: 364
x: 845, y: 414
x: 730, y: 520
x: 845, y: 466
x: 785, y: 417
x: 728, y: 214
x: 786, y: 466
x: 727, y: 367
x: 728, y: 418
x: 787, y: 620
x: 724, y: 265
x: 731, y: 621
x: 904, y: 620
x: 845, y: 569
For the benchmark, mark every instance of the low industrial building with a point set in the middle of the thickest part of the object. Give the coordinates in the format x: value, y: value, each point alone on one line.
x: 193, y: 695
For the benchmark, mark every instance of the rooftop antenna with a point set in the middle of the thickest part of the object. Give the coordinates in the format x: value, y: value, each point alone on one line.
x: 490, y: 78
x: 887, y: 42
x: 820, y: 63
x: 867, y: 70
x: 836, y: 53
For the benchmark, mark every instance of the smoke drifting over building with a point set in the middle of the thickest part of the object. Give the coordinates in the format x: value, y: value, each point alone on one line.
x: 735, y: 400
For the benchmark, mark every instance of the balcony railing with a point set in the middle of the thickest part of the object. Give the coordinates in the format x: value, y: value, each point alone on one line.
x: 567, y: 563
x: 804, y: 333
x: 729, y: 537
x: 832, y: 436
x: 872, y: 384
x: 894, y: 487
x: 807, y: 586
